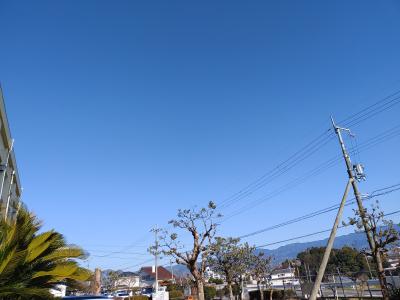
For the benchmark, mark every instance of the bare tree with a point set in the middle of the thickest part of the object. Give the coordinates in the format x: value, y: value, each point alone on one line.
x: 260, y: 267
x: 109, y: 279
x: 201, y: 225
x: 384, y: 235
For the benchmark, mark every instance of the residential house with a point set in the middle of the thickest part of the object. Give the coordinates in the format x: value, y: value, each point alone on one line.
x: 283, y: 277
x: 127, y: 280
x: 148, y: 275
x: 209, y: 273
x: 393, y: 258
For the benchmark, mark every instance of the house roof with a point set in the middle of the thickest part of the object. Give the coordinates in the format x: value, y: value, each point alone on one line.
x: 163, y: 273
x: 280, y: 271
x: 129, y: 274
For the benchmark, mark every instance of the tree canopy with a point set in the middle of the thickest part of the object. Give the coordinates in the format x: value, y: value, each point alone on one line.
x: 349, y: 260
x: 31, y: 263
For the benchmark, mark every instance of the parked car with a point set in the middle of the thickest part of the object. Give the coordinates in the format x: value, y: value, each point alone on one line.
x: 147, y: 291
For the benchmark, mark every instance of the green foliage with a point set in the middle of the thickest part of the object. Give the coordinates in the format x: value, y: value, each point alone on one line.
x: 260, y: 266
x: 235, y: 290
x: 276, y: 294
x: 175, y: 294
x: 138, y: 297
x: 225, y: 258
x: 210, y: 292
x: 215, y: 280
x: 174, y: 287
x: 349, y: 260
x: 31, y: 262
x: 395, y: 294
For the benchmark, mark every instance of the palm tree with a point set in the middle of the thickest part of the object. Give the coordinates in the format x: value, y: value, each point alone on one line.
x: 31, y: 263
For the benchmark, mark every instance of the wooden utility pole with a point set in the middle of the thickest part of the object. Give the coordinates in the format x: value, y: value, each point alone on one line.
x: 361, y: 209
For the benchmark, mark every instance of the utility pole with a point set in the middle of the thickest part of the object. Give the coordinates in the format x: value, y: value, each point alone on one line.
x: 369, y: 267
x: 328, y: 249
x: 353, y: 175
x: 156, y: 230
x: 172, y: 271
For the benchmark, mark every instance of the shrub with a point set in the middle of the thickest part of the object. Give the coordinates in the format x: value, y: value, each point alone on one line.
x: 138, y: 297
x: 210, y: 292
x: 235, y: 290
x: 175, y: 294
x: 174, y: 287
x: 277, y: 294
x: 395, y: 294
x: 215, y: 280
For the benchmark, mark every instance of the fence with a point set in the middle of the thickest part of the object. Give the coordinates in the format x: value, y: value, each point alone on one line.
x: 337, y: 285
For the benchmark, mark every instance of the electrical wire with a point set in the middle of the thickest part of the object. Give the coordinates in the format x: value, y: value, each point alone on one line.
x: 143, y: 238
x: 309, y: 149
x: 368, y: 144
x: 315, y: 233
x: 374, y: 194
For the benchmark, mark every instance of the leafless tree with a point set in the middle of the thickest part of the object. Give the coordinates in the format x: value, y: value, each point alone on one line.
x: 384, y: 235
x: 201, y: 226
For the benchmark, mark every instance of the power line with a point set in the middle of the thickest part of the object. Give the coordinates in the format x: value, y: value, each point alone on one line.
x: 301, y: 155
x: 138, y: 264
x: 315, y: 233
x: 280, y: 170
x: 380, y: 138
x: 112, y: 257
x: 373, y: 113
x: 120, y: 252
x: 143, y: 238
x: 374, y: 194
x: 310, y: 149
x: 365, y: 110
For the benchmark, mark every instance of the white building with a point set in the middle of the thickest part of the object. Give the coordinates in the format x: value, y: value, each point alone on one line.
x: 283, y: 277
x: 393, y: 258
x: 128, y: 280
x: 59, y: 290
x: 209, y: 273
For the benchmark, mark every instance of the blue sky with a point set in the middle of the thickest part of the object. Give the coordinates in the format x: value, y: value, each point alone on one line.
x: 125, y: 111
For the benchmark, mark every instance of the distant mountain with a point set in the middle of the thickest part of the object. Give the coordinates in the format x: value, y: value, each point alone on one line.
x: 179, y: 270
x: 356, y: 240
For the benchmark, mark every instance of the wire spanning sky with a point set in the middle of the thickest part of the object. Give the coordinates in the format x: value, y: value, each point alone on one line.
x: 123, y: 112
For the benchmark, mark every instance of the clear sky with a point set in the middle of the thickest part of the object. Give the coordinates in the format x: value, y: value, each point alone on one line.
x: 125, y: 111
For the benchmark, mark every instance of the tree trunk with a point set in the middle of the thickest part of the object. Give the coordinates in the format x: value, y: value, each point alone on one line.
x: 260, y: 291
x: 241, y: 288
x: 231, y: 297
x: 200, y: 289
x: 362, y: 291
x: 381, y: 275
x: 357, y: 291
x: 270, y: 294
